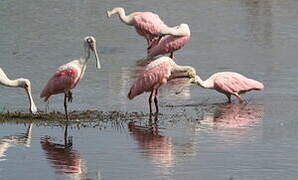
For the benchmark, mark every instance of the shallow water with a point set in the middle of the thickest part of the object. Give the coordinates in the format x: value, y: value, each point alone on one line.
x: 197, y: 135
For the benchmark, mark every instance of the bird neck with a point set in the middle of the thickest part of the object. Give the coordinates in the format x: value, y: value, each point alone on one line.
x: 174, y: 31
x: 182, y: 71
x: 127, y: 19
x: 86, y: 55
x: 11, y: 83
x: 208, y: 84
x: 32, y: 106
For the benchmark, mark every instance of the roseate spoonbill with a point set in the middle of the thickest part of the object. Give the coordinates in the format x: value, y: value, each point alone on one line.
x: 147, y: 24
x: 69, y: 75
x: 169, y: 43
x: 21, y: 82
x: 156, y: 74
x: 229, y: 83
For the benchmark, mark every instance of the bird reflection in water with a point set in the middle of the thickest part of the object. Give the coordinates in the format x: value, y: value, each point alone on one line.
x: 63, y: 158
x: 235, y: 115
x: 156, y: 147
x: 23, y: 139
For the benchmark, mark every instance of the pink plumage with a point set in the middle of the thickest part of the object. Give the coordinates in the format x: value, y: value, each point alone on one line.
x: 148, y: 24
x: 236, y: 83
x: 65, y: 79
x: 230, y: 83
x: 155, y: 74
x: 169, y: 43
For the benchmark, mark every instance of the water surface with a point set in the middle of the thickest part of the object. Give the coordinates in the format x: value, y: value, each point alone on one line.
x: 197, y: 134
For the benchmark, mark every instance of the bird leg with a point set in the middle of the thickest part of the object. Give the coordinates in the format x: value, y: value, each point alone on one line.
x: 229, y: 98
x: 172, y: 56
x: 65, y: 136
x: 69, y: 96
x: 150, y: 102
x: 65, y: 106
x: 156, y: 102
x: 241, y: 100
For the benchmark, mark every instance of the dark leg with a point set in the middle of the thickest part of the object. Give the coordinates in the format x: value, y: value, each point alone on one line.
x: 229, y: 98
x: 69, y: 96
x: 172, y: 56
x: 150, y: 102
x: 65, y: 136
x: 156, y: 102
x: 65, y: 106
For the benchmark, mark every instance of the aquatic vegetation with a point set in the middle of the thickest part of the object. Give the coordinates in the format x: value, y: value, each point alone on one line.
x: 89, y: 118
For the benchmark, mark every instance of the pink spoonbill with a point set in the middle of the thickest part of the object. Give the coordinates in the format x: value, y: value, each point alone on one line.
x: 229, y: 83
x: 68, y: 75
x: 147, y: 24
x: 156, y: 74
x: 169, y: 43
x: 21, y: 82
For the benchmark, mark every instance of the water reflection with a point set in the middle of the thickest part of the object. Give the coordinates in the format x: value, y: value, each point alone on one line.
x: 259, y: 21
x: 234, y: 115
x: 63, y: 158
x: 156, y: 147
x: 23, y: 139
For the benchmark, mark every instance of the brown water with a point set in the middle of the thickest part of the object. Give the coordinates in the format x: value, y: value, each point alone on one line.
x: 197, y: 135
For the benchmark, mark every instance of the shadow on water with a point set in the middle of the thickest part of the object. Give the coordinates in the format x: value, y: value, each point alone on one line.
x: 23, y: 139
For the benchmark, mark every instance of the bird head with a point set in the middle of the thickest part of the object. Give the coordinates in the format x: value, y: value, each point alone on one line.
x: 91, y: 44
x: 184, y: 30
x: 114, y: 11
x: 25, y: 83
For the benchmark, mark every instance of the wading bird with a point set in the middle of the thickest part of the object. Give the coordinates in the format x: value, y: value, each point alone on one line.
x: 229, y: 83
x: 147, y: 24
x: 169, y: 43
x: 21, y: 82
x: 156, y: 74
x: 69, y: 75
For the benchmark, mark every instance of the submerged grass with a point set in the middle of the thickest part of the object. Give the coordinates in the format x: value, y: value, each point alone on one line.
x: 89, y: 118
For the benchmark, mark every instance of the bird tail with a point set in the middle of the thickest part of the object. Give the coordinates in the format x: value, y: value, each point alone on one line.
x: 257, y: 85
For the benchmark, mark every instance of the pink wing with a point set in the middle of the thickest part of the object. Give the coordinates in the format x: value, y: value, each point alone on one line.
x: 167, y: 44
x: 148, y: 24
x: 61, y: 82
x: 149, y: 78
x: 236, y: 83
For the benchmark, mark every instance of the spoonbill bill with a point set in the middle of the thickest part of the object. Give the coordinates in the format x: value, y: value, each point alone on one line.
x: 21, y: 82
x: 156, y: 74
x: 147, y: 24
x: 68, y: 75
x: 169, y: 43
x: 229, y: 83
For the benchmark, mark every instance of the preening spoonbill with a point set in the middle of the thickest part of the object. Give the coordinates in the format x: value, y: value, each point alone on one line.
x: 147, y: 24
x: 169, y: 43
x: 21, y: 82
x: 156, y: 74
x: 68, y: 75
x: 229, y: 83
